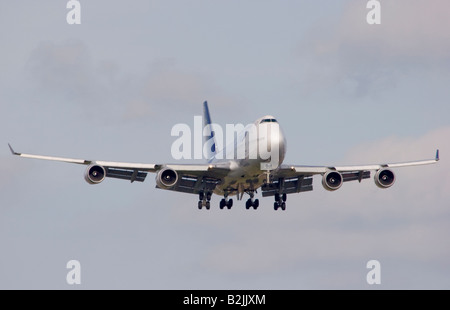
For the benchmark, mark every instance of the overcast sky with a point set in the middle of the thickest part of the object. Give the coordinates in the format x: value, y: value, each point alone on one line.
x: 111, y: 88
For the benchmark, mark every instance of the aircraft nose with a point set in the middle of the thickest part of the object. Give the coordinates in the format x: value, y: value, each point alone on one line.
x: 271, y: 136
x: 278, y: 138
x: 281, y: 143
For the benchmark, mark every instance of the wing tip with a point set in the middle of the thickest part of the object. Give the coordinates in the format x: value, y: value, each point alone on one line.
x: 12, y: 150
x: 437, y: 155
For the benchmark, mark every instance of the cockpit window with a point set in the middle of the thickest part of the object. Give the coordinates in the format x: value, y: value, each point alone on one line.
x: 268, y: 120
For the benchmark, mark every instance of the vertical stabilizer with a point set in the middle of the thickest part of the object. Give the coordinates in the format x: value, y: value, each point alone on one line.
x: 209, y: 141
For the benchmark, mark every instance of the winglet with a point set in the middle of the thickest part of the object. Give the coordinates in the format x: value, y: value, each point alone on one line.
x: 12, y: 150
x: 437, y: 155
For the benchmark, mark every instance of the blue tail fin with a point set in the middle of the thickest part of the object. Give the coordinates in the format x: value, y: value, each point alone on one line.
x: 207, y: 121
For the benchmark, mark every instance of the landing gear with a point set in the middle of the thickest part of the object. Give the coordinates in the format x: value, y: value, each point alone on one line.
x: 226, y: 203
x: 204, y: 200
x: 250, y: 202
x: 280, y: 201
x: 277, y: 205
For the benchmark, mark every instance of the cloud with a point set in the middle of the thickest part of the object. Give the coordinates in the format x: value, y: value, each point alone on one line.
x: 408, y: 29
x: 69, y: 72
x: 10, y: 170
x: 165, y: 88
x: 363, y: 59
x: 65, y: 67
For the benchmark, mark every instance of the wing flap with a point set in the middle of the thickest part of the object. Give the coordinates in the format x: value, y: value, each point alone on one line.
x: 130, y: 175
x: 194, y: 184
x: 356, y: 175
x: 288, y: 186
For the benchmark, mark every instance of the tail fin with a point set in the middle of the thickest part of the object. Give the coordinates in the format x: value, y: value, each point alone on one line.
x: 211, y: 152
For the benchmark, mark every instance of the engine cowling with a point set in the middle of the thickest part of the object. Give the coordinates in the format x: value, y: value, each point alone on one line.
x: 332, y: 180
x: 166, y: 178
x: 384, y: 178
x: 94, y: 174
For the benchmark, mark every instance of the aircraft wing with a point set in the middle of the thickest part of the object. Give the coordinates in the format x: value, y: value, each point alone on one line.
x: 106, y: 164
x: 358, y: 168
x: 296, y: 178
x: 193, y: 177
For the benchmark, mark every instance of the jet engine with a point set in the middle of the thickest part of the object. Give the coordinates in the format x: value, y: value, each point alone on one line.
x: 384, y: 178
x: 332, y: 180
x: 166, y: 178
x: 94, y: 174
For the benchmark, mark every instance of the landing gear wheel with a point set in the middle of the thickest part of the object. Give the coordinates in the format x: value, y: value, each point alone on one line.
x: 280, y: 201
x: 248, y: 204
x: 277, y: 197
x: 255, y: 204
x: 229, y: 203
x: 204, y: 200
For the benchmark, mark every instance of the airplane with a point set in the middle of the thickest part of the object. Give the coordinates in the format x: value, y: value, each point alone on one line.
x: 227, y: 177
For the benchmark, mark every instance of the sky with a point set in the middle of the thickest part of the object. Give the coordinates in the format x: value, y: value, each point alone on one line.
x: 112, y: 87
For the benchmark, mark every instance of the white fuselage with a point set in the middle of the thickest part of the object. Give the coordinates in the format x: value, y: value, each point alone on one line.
x: 258, y: 149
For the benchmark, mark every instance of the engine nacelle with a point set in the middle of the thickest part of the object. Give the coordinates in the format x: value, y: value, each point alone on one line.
x: 332, y: 180
x: 94, y: 174
x: 166, y: 178
x: 384, y: 178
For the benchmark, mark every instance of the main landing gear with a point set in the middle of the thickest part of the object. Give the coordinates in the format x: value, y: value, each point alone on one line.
x: 225, y: 202
x: 250, y: 202
x: 280, y: 201
x: 204, y: 200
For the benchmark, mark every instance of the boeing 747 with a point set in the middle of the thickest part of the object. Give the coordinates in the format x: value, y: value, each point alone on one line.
x: 254, y: 161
